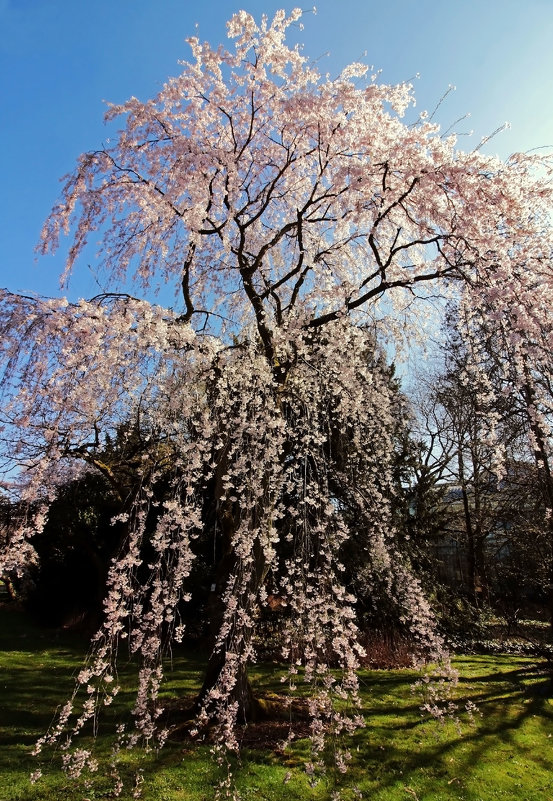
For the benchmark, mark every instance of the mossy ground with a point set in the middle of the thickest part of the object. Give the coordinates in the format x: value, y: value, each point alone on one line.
x: 505, y: 753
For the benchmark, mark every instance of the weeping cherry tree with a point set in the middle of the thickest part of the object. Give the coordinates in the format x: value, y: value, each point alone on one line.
x: 300, y: 223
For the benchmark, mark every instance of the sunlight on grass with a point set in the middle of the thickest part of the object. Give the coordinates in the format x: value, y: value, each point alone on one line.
x: 505, y: 753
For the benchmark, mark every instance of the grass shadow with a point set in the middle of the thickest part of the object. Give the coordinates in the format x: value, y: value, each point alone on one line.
x: 400, y: 754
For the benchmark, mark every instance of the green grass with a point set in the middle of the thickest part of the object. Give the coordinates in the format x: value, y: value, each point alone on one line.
x: 507, y: 753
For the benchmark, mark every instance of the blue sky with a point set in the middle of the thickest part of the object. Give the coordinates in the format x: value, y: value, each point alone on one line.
x: 59, y: 59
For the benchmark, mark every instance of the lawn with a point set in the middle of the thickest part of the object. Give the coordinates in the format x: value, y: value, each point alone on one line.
x: 505, y: 753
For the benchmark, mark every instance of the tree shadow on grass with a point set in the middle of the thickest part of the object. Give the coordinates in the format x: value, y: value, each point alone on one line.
x: 513, y: 719
x: 400, y: 750
x: 39, y: 669
x: 397, y: 750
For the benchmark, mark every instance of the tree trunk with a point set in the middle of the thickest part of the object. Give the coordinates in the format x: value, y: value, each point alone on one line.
x: 545, y: 478
x: 242, y: 692
x: 227, y: 517
x: 473, y: 583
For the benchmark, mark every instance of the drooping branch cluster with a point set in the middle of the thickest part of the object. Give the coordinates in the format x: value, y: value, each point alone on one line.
x: 275, y: 470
